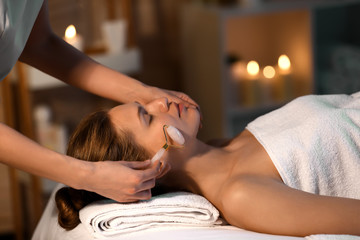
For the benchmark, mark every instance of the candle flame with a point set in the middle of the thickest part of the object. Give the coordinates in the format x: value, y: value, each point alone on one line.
x: 238, y: 70
x: 284, y: 62
x: 253, y: 68
x: 269, y: 72
x: 70, y: 32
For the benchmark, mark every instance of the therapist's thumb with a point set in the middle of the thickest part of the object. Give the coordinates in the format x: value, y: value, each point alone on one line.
x: 137, y: 165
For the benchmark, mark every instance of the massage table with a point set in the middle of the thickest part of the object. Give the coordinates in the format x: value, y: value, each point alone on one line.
x: 48, y: 229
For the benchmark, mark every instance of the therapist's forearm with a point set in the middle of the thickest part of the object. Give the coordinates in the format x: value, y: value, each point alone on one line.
x: 52, y: 55
x: 66, y: 63
x: 24, y: 154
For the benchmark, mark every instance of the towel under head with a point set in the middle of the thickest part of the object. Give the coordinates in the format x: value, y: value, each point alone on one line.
x: 108, y: 219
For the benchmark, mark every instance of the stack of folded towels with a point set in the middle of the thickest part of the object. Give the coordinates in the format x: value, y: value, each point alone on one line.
x: 108, y: 218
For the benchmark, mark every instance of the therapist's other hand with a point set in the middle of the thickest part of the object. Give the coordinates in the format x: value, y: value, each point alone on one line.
x: 124, y: 181
x: 172, y: 96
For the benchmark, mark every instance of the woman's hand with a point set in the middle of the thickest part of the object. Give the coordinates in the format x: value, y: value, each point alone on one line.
x: 122, y: 181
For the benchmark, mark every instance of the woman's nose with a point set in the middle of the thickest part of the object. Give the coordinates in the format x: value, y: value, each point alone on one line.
x: 160, y: 104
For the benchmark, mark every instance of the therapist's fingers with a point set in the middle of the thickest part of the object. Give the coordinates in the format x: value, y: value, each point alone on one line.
x: 143, y: 190
x: 182, y: 97
x: 137, y: 165
x: 172, y: 96
x: 165, y: 168
x: 143, y: 195
x: 117, y: 181
x: 189, y: 102
x: 148, y: 185
x: 149, y: 173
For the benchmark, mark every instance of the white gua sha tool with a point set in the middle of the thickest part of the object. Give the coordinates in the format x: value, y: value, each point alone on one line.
x: 175, y: 135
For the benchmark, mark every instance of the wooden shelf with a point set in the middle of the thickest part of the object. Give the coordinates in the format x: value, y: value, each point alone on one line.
x: 303, y: 30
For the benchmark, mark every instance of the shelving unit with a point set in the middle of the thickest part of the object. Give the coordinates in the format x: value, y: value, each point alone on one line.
x: 303, y: 30
x: 337, y: 48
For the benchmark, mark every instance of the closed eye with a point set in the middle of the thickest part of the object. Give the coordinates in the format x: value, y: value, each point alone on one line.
x: 149, y: 117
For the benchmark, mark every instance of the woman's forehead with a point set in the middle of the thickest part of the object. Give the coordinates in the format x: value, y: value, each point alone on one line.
x: 123, y: 113
x: 122, y: 108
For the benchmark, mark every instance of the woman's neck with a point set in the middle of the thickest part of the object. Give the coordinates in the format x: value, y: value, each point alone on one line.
x: 199, y: 168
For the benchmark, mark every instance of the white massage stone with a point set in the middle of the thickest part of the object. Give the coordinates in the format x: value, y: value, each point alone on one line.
x: 175, y: 135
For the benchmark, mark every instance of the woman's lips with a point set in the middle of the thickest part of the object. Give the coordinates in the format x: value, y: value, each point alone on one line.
x: 180, y: 108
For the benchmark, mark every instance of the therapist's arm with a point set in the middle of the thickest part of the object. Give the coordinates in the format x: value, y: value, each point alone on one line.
x: 52, y: 55
x: 121, y: 181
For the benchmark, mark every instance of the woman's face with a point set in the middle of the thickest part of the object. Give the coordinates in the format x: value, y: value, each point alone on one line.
x: 146, y: 121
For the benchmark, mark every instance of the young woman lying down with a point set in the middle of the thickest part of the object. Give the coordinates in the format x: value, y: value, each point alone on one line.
x: 294, y: 171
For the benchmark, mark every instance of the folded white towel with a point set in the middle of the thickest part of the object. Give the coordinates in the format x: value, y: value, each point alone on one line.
x: 314, y: 142
x: 332, y: 237
x: 108, y: 218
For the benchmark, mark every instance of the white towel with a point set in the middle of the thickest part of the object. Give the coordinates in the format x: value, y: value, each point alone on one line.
x: 106, y: 219
x: 331, y: 237
x: 314, y: 142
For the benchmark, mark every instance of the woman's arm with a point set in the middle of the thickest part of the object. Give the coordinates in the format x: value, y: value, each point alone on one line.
x: 52, y: 55
x: 265, y: 205
x: 121, y: 181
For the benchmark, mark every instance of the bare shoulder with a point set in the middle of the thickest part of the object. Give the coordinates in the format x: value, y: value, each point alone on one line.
x: 266, y: 205
x: 239, y: 198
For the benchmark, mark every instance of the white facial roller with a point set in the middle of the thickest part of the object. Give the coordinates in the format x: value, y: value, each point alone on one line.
x: 175, y: 135
x: 158, y: 155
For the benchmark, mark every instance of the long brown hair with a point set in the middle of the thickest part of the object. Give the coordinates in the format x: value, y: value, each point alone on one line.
x: 95, y: 139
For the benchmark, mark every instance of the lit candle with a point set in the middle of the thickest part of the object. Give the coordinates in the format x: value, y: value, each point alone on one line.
x: 267, y: 82
x: 73, y: 38
x: 238, y: 70
x: 285, y: 88
x: 253, y: 69
x: 251, y: 84
x: 269, y: 72
x: 238, y: 73
x: 284, y: 64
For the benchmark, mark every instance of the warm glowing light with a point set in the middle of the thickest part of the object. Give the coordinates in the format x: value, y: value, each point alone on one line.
x: 269, y: 72
x: 70, y: 32
x: 73, y: 38
x: 253, y: 68
x: 238, y: 70
x: 284, y: 62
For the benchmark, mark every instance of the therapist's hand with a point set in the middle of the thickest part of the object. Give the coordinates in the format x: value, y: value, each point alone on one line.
x: 172, y: 96
x: 123, y: 181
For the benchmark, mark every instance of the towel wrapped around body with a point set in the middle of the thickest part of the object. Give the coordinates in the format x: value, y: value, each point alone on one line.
x: 106, y: 219
x: 314, y: 142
